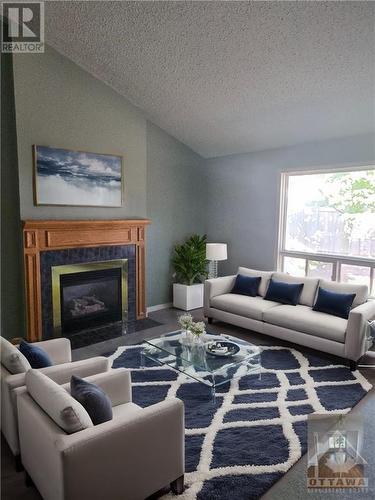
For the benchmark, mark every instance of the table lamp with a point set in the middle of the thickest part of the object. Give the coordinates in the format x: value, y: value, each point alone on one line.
x: 214, y: 253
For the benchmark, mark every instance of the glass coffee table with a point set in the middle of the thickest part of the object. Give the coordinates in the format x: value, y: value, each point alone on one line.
x: 193, y: 359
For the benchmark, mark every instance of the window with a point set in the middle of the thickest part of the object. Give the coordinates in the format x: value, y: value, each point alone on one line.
x: 327, y: 225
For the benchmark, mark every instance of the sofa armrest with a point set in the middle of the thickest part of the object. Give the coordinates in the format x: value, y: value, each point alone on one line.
x: 355, y: 339
x: 217, y: 286
x: 115, y: 383
x: 61, y: 374
x: 137, y: 454
x: 59, y: 350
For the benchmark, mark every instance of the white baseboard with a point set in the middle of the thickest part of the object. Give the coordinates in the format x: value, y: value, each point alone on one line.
x: 158, y: 307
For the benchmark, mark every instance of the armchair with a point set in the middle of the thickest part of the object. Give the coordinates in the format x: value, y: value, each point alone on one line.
x: 138, y: 452
x: 60, y: 353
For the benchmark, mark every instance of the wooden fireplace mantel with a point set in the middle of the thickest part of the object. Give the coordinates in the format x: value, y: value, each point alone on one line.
x: 41, y: 235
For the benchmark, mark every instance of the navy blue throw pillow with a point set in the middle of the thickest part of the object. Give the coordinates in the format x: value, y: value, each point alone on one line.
x: 94, y: 400
x: 285, y: 293
x: 35, y: 355
x: 336, y: 304
x: 246, y: 285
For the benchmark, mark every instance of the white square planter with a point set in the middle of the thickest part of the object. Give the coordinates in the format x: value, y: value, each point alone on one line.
x: 187, y: 297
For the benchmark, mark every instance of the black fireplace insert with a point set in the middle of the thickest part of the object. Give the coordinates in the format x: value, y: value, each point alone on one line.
x: 90, y: 298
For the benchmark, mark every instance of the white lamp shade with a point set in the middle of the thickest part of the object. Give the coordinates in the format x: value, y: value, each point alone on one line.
x: 216, y: 251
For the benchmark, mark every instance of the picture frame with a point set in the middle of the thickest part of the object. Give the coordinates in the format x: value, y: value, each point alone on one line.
x: 65, y: 177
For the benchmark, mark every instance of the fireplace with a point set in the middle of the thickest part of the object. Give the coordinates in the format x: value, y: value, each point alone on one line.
x: 50, y: 244
x: 89, y: 295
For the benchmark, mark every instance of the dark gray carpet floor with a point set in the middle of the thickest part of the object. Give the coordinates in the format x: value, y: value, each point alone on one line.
x: 292, y: 486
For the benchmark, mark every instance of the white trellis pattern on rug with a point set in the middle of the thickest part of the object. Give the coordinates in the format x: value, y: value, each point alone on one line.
x: 204, y: 472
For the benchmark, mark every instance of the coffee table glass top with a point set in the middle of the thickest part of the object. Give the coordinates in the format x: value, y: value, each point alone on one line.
x: 193, y: 359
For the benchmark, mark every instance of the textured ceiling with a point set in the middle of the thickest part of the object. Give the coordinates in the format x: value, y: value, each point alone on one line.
x: 230, y: 77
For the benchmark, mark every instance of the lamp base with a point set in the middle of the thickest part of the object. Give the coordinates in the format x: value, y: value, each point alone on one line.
x: 212, y: 269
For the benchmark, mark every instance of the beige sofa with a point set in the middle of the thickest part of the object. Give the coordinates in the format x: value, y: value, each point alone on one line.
x: 138, y: 452
x: 298, y: 324
x: 59, y: 351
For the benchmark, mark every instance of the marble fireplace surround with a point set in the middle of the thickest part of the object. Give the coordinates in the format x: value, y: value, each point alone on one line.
x: 54, y: 242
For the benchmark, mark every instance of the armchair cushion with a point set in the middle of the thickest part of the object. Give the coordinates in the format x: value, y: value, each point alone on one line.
x: 37, y: 357
x: 63, y: 409
x: 92, y: 398
x: 13, y: 360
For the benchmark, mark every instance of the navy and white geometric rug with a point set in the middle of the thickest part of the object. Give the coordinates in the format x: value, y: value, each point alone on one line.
x: 256, y: 430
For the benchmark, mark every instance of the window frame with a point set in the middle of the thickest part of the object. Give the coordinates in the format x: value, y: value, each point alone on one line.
x: 335, y: 259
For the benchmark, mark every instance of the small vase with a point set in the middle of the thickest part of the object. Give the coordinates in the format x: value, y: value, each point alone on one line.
x: 187, y: 337
x: 197, y: 339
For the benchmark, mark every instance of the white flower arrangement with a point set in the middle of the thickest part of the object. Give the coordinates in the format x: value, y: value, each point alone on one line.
x: 186, y: 321
x: 198, y: 328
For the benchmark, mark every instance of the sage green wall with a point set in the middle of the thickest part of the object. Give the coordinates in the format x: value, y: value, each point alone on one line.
x: 59, y: 104
x: 12, y: 311
x: 175, y: 203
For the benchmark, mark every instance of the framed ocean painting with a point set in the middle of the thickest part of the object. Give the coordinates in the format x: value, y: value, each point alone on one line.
x: 65, y: 177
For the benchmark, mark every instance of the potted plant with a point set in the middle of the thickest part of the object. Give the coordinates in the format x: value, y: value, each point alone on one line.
x: 189, y: 262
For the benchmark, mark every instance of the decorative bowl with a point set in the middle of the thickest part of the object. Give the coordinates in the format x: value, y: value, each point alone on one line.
x: 222, y: 348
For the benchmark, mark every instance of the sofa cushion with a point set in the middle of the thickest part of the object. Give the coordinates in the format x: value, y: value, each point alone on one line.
x: 92, y: 398
x: 285, y: 293
x: 337, y: 304
x: 361, y: 291
x: 265, y: 277
x: 246, y: 285
x: 303, y: 319
x: 63, y: 409
x: 37, y: 357
x: 242, y: 305
x: 310, y: 286
x: 13, y: 360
